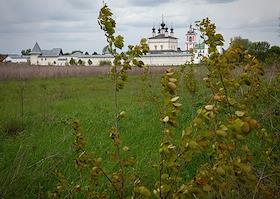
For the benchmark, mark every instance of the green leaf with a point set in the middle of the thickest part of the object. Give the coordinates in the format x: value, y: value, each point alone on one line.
x: 119, y: 42
x: 207, y: 188
x: 144, y: 191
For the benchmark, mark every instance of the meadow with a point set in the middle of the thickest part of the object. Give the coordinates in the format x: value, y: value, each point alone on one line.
x: 36, y: 137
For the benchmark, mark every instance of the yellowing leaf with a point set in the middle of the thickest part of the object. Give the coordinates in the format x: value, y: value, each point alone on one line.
x: 174, y: 99
x: 169, y: 74
x: 166, y: 119
x: 172, y: 86
x: 207, y: 188
x: 231, y: 101
x: 221, y: 133
x: 239, y: 113
x: 144, y: 191
x: 119, y: 42
x: 177, y: 104
x: 164, y: 176
x: 125, y: 148
x: 221, y: 171
x: 246, y: 128
x: 209, y: 107
x: 253, y: 123
x: 172, y: 80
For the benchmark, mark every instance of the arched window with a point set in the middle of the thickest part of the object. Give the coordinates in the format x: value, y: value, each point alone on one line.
x: 190, y: 39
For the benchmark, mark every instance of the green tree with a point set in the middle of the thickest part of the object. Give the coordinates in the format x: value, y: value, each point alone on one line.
x: 239, y: 42
x: 26, y: 52
x: 274, y: 50
x: 80, y: 62
x: 77, y: 51
x: 273, y: 57
x: 105, y: 50
x: 259, y: 50
x: 89, y: 62
x: 72, y: 62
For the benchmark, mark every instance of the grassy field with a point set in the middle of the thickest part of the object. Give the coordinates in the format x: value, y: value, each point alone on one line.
x: 28, y: 158
x: 36, y: 140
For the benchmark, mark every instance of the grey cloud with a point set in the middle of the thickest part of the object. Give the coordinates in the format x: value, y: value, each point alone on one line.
x: 148, y: 3
x: 219, y: 1
x: 82, y: 4
x: 72, y: 24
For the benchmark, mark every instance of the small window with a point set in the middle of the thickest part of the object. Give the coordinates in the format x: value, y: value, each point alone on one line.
x: 41, y: 59
x: 155, y: 47
x: 161, y: 47
x: 45, y: 59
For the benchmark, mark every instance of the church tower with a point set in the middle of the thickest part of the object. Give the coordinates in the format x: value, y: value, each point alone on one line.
x: 162, y: 41
x: 190, y: 39
x: 35, y: 53
x: 154, y: 31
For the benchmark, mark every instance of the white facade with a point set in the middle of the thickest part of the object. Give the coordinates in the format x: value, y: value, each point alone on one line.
x: 166, y: 59
x: 163, y: 41
x: 16, y: 59
x: 159, y: 59
x: 149, y: 59
x: 164, y: 44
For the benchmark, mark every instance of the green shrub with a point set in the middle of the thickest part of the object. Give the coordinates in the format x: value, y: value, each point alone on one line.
x: 81, y: 62
x: 219, y: 130
x: 105, y: 63
x: 89, y: 62
x: 72, y: 62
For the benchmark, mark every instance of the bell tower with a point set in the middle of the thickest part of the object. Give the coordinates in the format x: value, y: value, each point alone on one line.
x: 190, y: 39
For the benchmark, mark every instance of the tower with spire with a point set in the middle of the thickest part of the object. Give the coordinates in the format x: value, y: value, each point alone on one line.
x: 163, y: 40
x: 190, y: 39
x: 35, y: 53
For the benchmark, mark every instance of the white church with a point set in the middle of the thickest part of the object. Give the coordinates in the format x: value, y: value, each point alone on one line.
x: 163, y: 45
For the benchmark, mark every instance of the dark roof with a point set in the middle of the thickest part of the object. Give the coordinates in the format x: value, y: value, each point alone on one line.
x: 162, y: 36
x: 161, y: 51
x: 200, y: 46
x: 15, y: 56
x: 36, y: 49
x: 55, y: 52
x: 191, y: 32
x: 168, y: 54
x: 96, y: 56
x: 3, y: 57
x: 77, y: 54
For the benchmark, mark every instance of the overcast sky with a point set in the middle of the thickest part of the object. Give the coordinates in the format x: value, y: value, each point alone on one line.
x: 72, y: 24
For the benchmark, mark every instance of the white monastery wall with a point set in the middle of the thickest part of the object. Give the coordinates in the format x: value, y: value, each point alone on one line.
x: 150, y: 59
x: 163, y: 44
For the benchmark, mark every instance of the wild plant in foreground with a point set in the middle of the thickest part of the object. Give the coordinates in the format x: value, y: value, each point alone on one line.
x: 219, y: 131
x: 120, y: 180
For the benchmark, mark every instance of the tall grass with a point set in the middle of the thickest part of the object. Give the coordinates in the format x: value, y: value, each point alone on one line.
x: 24, y: 71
